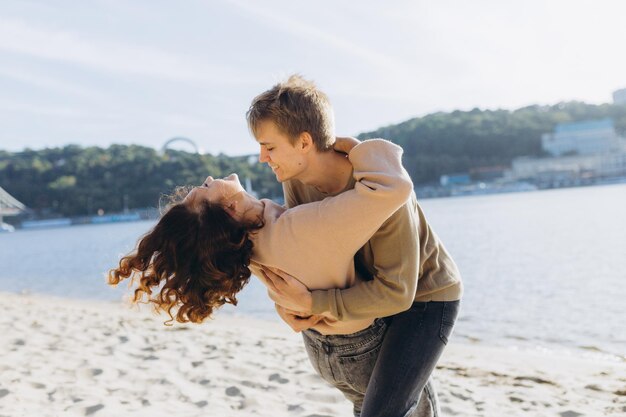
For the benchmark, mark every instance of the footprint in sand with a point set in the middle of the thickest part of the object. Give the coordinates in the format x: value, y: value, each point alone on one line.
x: 4, y: 392
x: 278, y: 378
x: 535, y: 379
x: 570, y: 413
x: 88, y: 373
x: 92, y: 409
x: 256, y: 385
x: 294, y: 407
x: 460, y: 396
x: 234, y: 392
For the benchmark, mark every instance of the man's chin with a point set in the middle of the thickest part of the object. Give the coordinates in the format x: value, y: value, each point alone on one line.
x: 279, y: 177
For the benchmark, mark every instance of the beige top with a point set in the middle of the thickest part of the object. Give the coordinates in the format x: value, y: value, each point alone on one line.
x: 316, y: 242
x: 403, y: 262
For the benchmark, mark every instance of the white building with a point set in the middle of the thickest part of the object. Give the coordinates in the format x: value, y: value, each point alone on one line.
x: 581, y: 138
x: 619, y: 96
x: 580, y: 150
x: 569, y: 167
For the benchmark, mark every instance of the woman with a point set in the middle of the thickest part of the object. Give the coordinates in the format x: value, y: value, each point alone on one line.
x: 202, y: 251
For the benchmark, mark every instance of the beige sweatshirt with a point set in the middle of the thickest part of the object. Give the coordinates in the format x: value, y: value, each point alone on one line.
x: 316, y: 242
x: 403, y: 262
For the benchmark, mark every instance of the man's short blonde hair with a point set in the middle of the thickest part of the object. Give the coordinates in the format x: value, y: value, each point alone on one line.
x: 295, y: 106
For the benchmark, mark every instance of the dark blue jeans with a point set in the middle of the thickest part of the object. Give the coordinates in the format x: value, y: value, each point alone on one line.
x: 410, y: 350
x: 384, y: 370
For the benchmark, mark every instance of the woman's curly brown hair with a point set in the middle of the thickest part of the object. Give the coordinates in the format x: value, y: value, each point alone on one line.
x: 199, y: 259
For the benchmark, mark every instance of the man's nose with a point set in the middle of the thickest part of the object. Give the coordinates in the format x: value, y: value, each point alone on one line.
x: 208, y: 179
x: 263, y: 156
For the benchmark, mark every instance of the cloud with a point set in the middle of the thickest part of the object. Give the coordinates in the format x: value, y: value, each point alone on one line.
x: 48, y: 83
x: 107, y: 56
x: 299, y: 28
x: 57, y: 111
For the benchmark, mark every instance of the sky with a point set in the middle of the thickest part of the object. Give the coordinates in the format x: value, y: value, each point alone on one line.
x: 99, y: 72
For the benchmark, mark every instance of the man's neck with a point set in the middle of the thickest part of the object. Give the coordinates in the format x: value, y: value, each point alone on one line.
x: 328, y: 172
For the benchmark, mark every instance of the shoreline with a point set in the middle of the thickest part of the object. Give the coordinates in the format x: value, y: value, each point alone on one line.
x: 228, y: 311
x: 82, y: 357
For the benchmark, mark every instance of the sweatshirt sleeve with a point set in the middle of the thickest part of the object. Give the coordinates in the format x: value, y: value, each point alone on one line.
x: 342, y: 224
x: 395, y: 253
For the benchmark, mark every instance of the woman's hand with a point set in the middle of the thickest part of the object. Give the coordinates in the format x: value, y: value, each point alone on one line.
x: 345, y: 144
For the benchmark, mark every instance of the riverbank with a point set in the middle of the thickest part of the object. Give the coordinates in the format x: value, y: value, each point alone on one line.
x: 68, y: 357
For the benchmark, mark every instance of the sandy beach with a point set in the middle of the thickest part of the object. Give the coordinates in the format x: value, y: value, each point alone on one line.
x: 62, y: 357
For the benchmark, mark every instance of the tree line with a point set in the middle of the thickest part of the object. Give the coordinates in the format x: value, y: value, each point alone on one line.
x: 457, y: 142
x: 74, y: 180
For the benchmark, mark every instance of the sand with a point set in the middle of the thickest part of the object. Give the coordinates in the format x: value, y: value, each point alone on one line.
x: 61, y: 357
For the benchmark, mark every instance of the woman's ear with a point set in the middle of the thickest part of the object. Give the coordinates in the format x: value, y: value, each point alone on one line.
x: 231, y: 208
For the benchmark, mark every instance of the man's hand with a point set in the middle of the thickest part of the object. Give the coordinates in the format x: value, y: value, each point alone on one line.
x: 295, y: 320
x: 287, y: 291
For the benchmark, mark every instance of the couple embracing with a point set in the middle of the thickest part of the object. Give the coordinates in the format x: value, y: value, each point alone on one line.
x: 350, y: 260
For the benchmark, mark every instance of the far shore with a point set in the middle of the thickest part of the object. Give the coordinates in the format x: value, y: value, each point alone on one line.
x: 82, y: 358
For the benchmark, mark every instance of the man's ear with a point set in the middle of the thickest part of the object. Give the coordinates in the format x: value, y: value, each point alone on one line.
x: 305, y: 142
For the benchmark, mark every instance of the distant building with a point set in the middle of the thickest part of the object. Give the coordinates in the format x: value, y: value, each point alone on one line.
x: 581, y: 151
x: 619, y: 96
x: 568, y: 167
x: 454, y: 179
x: 487, y: 173
x: 581, y: 138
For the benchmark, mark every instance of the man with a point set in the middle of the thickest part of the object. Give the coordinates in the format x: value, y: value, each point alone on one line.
x: 407, y: 276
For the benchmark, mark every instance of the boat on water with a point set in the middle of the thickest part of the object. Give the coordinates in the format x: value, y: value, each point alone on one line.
x: 6, y: 228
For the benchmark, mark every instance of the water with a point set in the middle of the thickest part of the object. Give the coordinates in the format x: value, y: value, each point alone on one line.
x: 542, y: 270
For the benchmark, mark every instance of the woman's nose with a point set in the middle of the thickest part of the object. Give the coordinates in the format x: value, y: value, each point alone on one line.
x: 208, y: 181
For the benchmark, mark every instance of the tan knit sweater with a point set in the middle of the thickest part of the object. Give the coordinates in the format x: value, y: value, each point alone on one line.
x: 316, y: 242
x: 403, y: 262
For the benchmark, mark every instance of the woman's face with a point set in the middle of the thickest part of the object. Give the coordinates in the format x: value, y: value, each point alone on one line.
x: 227, y: 192
x: 219, y: 191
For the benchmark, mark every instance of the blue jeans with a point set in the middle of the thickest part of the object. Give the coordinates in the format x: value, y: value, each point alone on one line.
x: 384, y: 369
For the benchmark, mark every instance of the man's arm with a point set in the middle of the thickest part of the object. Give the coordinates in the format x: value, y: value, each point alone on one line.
x: 393, y: 254
x: 394, y: 250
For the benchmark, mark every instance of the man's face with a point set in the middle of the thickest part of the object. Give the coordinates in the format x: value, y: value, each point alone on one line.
x: 286, y: 160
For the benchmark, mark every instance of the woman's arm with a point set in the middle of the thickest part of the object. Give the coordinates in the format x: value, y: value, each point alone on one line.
x: 341, y: 224
x: 344, y: 144
x: 338, y: 226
